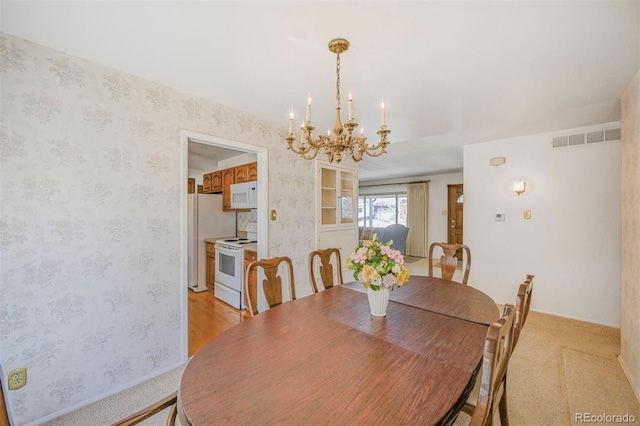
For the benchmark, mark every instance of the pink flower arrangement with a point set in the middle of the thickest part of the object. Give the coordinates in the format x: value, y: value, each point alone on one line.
x: 377, y: 265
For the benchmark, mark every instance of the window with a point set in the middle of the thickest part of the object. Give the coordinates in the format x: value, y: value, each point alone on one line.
x: 382, y: 210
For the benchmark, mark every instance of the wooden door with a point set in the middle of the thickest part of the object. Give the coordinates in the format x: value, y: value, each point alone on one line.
x: 455, y: 216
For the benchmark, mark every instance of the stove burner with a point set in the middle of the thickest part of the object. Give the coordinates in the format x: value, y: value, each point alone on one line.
x: 235, y: 240
x: 247, y: 242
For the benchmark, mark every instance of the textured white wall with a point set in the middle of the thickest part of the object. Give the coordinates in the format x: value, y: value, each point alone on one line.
x: 572, y: 242
x: 91, y: 181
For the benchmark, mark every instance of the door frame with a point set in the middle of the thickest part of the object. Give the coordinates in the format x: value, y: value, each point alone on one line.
x: 262, y: 154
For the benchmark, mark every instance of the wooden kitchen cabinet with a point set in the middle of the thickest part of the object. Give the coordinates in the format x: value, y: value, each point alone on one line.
x: 210, y: 266
x: 191, y: 185
x: 246, y: 172
x: 249, y: 256
x: 212, y: 182
x: 228, y: 177
x: 220, y: 181
x: 216, y: 182
x: 241, y: 173
x: 206, y: 183
x: 252, y: 171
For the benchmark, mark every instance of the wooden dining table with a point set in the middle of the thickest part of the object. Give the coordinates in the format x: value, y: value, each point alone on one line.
x: 324, y: 359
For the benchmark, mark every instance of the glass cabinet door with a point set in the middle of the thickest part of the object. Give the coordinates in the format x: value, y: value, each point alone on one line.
x: 347, y: 201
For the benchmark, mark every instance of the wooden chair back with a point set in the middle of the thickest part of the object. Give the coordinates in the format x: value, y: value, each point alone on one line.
x: 271, y: 285
x: 497, y: 351
x: 330, y: 273
x: 523, y: 303
x: 448, y: 261
x: 152, y: 410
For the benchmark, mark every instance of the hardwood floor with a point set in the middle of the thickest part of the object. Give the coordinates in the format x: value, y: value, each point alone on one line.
x: 209, y: 317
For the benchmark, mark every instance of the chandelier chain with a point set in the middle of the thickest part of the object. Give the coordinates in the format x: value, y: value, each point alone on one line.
x: 338, y: 80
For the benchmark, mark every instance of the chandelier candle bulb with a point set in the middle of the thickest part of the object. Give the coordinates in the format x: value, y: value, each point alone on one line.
x: 383, y: 119
x: 308, y: 108
x: 291, y: 121
x: 350, y: 108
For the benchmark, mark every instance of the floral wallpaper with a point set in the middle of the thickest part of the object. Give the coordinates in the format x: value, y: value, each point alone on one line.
x: 630, y: 187
x: 90, y: 222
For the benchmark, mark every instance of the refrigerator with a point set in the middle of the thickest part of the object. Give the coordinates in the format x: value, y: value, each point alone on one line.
x: 205, y: 219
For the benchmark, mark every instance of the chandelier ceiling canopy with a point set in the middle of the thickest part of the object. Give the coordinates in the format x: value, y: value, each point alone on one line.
x: 343, y: 138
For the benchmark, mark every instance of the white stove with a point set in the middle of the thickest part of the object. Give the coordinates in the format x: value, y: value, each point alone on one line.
x: 229, y: 284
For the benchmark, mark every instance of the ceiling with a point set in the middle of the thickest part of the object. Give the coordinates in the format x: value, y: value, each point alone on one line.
x: 451, y: 73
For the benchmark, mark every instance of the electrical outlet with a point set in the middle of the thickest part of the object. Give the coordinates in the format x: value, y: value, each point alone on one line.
x: 17, y: 378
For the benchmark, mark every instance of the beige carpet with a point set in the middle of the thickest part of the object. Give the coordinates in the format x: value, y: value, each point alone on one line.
x: 562, y: 367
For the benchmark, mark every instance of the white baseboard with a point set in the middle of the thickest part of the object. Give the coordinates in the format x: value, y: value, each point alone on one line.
x: 612, y: 325
x: 634, y: 386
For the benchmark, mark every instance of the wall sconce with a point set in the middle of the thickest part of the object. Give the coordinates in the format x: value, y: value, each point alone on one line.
x: 519, y: 187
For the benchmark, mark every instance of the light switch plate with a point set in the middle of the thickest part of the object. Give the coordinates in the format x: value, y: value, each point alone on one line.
x: 526, y: 214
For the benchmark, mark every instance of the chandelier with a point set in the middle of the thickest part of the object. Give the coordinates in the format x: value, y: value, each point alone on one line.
x: 343, y: 138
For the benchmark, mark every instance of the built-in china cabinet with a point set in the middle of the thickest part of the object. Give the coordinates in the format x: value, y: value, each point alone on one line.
x: 337, y: 207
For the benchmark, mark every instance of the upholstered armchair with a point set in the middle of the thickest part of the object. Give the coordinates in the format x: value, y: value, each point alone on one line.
x: 398, y: 233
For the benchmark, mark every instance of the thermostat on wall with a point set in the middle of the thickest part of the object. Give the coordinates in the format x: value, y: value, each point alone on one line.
x: 498, y: 217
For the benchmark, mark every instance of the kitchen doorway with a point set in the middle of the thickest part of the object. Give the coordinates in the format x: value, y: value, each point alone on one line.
x: 216, y: 143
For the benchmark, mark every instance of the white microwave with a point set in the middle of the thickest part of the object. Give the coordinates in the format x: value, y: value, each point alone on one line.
x: 244, y: 195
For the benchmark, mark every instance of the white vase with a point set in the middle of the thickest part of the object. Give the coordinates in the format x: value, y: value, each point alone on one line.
x: 378, y: 301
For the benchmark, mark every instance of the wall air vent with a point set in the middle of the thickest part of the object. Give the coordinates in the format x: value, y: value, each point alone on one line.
x: 612, y: 135
x: 560, y: 141
x: 595, y: 136
x: 576, y: 139
x: 590, y: 137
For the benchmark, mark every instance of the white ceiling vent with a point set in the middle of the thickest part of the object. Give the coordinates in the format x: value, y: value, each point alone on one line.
x: 590, y: 137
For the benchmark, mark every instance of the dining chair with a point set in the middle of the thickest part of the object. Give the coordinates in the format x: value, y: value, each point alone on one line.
x: 523, y: 303
x: 271, y: 285
x: 153, y: 409
x: 497, y: 351
x: 448, y: 261
x: 320, y: 262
